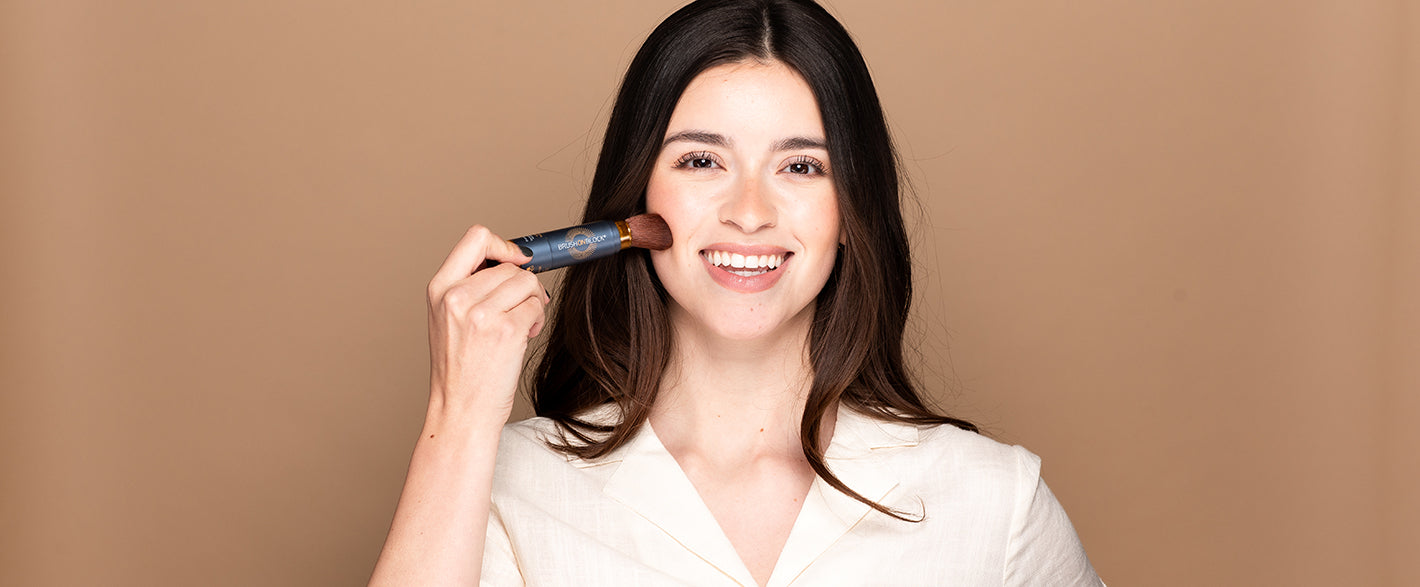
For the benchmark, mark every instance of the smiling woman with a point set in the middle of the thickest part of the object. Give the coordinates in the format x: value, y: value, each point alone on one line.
x: 734, y: 409
x: 741, y: 177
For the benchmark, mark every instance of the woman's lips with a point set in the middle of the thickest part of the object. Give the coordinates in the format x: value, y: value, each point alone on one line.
x: 745, y: 269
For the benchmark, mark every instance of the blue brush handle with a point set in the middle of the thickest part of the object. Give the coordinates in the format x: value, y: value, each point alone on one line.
x: 569, y: 246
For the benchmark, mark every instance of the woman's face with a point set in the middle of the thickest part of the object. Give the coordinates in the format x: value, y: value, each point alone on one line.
x: 743, y: 181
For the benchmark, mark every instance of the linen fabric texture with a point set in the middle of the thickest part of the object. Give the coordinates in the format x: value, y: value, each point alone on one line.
x: 632, y: 517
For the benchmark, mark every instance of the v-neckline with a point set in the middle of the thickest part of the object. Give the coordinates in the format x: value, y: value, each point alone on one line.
x: 652, y: 483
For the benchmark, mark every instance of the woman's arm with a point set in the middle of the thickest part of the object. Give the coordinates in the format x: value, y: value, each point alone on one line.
x: 480, y: 320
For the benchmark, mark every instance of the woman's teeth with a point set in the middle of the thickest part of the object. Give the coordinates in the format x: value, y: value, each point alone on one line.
x: 747, y: 264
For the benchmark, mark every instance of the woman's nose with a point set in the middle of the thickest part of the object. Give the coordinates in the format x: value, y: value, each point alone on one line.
x: 749, y: 206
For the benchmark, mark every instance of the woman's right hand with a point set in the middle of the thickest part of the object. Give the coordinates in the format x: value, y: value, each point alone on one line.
x: 480, y: 320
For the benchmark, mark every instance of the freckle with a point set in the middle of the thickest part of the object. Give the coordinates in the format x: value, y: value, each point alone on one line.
x: 761, y: 430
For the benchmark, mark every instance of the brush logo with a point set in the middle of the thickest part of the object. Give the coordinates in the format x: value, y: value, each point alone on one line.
x: 580, y: 243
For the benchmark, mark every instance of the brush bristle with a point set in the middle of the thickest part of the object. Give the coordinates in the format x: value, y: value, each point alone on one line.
x: 649, y: 231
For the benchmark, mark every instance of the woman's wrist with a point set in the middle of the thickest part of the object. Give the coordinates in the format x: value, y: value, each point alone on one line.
x: 483, y: 419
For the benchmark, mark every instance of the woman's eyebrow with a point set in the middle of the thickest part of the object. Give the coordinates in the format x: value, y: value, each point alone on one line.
x: 697, y: 136
x: 796, y: 143
x: 719, y: 140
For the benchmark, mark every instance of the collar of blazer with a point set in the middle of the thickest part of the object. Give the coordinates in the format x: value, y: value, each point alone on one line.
x: 648, y: 480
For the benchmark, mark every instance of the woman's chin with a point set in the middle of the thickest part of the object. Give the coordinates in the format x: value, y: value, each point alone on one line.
x: 743, y: 332
x: 747, y: 327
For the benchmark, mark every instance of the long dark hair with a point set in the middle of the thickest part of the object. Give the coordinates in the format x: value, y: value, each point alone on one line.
x: 611, y: 339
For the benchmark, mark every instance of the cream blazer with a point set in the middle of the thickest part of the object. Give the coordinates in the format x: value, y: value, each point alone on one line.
x: 633, y: 517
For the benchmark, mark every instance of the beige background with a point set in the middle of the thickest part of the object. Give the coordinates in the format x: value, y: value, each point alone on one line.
x: 1171, y: 247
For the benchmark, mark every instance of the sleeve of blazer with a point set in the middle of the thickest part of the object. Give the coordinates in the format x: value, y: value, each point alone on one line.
x: 1043, y: 548
x: 500, y: 564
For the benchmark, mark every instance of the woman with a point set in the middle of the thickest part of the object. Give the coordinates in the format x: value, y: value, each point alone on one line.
x: 734, y: 409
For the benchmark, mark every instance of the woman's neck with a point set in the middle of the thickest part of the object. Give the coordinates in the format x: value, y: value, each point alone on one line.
x: 734, y: 401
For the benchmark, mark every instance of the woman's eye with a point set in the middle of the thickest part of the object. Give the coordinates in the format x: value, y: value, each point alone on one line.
x: 700, y: 160
x: 805, y: 165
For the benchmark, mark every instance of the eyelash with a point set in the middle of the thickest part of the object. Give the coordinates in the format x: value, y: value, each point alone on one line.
x: 686, y: 159
x: 811, y: 162
x: 685, y: 162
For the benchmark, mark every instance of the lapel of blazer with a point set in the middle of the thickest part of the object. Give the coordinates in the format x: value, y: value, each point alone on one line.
x: 651, y: 483
x: 828, y: 514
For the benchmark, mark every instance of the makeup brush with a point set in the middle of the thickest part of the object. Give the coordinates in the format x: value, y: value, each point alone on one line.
x: 569, y: 246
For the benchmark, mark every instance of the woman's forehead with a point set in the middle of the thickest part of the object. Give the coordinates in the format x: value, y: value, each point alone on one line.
x: 748, y: 100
